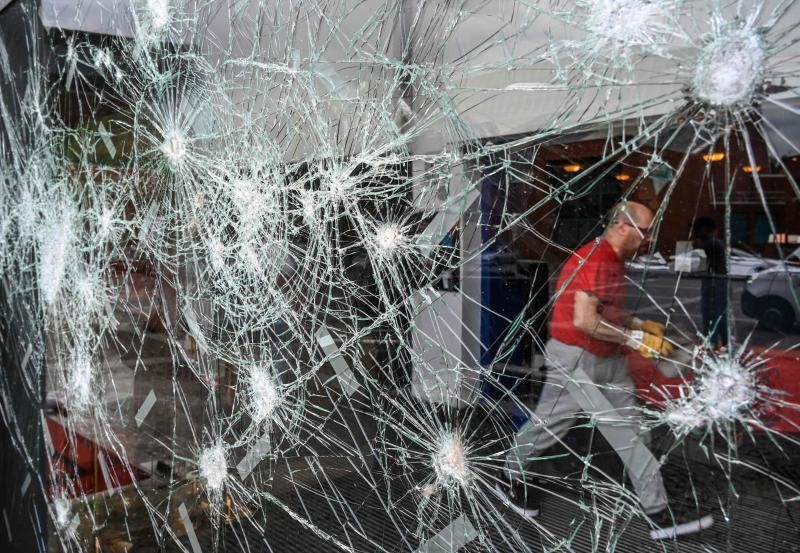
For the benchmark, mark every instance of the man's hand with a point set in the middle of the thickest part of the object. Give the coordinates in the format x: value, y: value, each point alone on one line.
x: 651, y: 327
x: 648, y: 344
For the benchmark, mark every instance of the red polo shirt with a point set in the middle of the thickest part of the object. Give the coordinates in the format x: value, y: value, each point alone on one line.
x: 595, y: 268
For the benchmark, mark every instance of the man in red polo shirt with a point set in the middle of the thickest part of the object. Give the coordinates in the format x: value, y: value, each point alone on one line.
x: 586, y: 373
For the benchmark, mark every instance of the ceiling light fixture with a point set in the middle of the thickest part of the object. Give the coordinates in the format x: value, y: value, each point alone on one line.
x: 714, y: 156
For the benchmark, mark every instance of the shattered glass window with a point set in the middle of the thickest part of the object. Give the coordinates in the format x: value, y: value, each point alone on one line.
x: 416, y: 275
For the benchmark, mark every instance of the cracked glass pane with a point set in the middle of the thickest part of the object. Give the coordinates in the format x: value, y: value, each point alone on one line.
x: 417, y: 275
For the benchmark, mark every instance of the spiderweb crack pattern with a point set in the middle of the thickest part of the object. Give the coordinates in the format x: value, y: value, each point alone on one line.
x: 267, y: 256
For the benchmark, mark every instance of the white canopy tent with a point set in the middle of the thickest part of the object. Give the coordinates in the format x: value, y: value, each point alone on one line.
x: 485, y: 64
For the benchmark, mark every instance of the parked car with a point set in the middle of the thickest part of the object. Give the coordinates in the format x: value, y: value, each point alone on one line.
x: 772, y: 295
x: 744, y: 264
x: 741, y: 263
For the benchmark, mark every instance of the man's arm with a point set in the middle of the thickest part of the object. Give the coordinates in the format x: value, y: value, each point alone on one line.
x: 587, y: 318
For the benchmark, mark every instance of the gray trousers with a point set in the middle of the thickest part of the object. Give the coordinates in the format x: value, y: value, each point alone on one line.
x: 580, y: 382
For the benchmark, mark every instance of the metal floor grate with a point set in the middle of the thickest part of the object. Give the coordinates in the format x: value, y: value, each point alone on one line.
x: 756, y: 523
x: 750, y: 515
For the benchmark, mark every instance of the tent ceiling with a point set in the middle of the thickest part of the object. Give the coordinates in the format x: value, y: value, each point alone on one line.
x: 485, y: 62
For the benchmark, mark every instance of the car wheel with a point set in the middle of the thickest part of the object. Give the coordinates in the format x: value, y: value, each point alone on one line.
x: 776, y: 315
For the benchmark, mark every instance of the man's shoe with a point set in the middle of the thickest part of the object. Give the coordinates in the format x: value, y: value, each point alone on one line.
x: 518, y: 497
x: 671, y: 523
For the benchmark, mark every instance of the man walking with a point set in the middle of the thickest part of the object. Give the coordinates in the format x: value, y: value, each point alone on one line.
x: 586, y: 372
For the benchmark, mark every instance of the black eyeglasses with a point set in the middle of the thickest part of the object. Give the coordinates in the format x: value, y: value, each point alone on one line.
x: 643, y: 232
